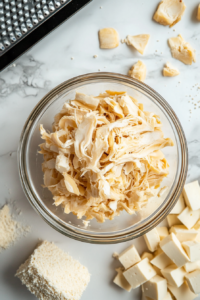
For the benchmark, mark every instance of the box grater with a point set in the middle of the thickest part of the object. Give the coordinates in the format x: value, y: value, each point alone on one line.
x: 24, y: 22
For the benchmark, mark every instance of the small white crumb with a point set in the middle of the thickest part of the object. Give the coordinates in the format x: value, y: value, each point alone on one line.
x: 122, y: 41
x: 72, y: 58
x: 69, y: 222
x: 99, y: 70
x: 174, y: 29
x: 13, y: 65
x: 100, y: 7
x: 157, y: 40
x: 115, y: 255
x: 95, y: 56
x: 86, y: 223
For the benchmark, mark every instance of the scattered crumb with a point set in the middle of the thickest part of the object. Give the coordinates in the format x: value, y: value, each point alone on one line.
x: 10, y: 229
x: 100, y: 7
x: 99, y: 70
x: 86, y: 223
x: 72, y: 58
x: 115, y: 255
x: 95, y: 56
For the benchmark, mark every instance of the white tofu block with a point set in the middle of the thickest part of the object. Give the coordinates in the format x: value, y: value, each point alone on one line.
x: 197, y: 226
x: 155, y: 288
x: 173, y: 249
x: 168, y: 297
x: 191, y: 193
x: 192, y: 266
x: 129, y: 257
x: 121, y: 281
x: 179, y: 207
x: 152, y: 240
x: 183, y: 234
x: 173, y: 220
x: 193, y: 281
x: 162, y: 232
x: 192, y: 248
x: 148, y: 255
x: 139, y: 273
x: 189, y: 217
x: 174, y: 275
x: 182, y: 293
x: 161, y: 261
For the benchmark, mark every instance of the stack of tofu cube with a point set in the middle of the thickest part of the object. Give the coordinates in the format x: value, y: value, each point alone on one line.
x: 171, y: 270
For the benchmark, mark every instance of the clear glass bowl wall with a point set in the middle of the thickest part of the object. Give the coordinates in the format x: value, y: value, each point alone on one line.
x: 124, y: 227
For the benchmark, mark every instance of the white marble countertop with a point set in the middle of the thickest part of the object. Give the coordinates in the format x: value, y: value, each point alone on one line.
x: 49, y: 63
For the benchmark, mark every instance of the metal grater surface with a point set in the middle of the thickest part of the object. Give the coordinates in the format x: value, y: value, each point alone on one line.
x: 19, y: 17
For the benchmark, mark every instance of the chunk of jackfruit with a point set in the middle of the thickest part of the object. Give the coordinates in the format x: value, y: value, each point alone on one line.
x: 169, y: 12
x: 182, y: 50
x: 138, y: 71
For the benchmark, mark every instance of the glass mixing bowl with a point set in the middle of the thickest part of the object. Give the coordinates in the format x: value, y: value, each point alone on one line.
x: 122, y: 228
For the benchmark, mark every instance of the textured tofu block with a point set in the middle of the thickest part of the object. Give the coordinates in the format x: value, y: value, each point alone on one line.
x: 182, y: 293
x: 189, y: 217
x: 174, y: 275
x: 192, y: 248
x: 161, y: 261
x: 179, y: 207
x: 155, y: 288
x: 173, y: 220
x: 193, y: 281
x: 152, y: 240
x: 121, y: 281
x: 162, y: 232
x: 192, y: 266
x: 183, y: 234
x: 129, y: 257
x: 50, y: 273
x: 191, y: 193
x: 173, y: 249
x: 139, y: 273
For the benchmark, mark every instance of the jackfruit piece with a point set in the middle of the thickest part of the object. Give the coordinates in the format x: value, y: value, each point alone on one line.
x: 169, y: 12
x: 198, y: 13
x: 170, y: 71
x: 138, y: 71
x: 139, y: 42
x: 182, y: 50
x: 108, y: 38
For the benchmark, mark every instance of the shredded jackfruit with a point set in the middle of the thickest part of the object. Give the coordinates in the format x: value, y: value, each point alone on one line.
x: 104, y: 156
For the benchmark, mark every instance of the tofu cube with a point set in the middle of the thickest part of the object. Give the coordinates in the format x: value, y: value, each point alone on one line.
x: 174, y: 275
x: 129, y: 257
x: 50, y: 273
x: 173, y: 220
x: 121, y: 281
x: 148, y: 255
x: 155, y: 288
x: 192, y: 248
x: 173, y: 249
x: 179, y: 207
x: 139, y: 273
x: 162, y: 232
x: 182, y: 293
x: 161, y: 261
x: 191, y: 193
x: 192, y: 266
x: 152, y: 240
x: 183, y: 234
x: 193, y: 281
x: 189, y: 217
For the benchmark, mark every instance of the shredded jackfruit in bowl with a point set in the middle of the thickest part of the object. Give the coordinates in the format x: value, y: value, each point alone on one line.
x: 104, y: 156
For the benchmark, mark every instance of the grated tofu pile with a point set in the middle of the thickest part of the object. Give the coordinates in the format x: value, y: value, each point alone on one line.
x: 10, y: 230
x: 104, y: 156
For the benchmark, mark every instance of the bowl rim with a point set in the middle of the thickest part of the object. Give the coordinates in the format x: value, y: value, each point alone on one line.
x: 73, y: 232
